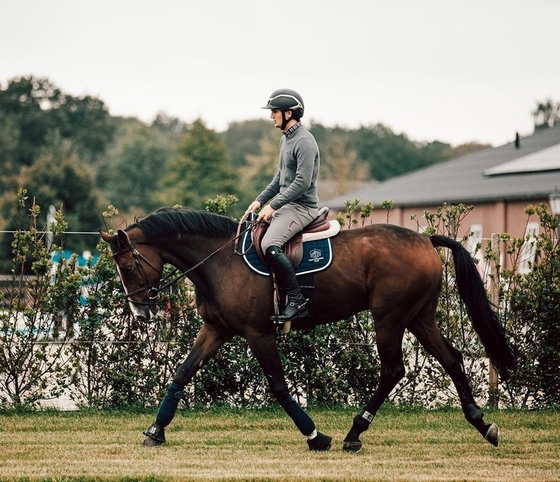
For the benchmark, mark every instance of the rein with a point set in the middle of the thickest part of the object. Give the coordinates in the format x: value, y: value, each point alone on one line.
x: 153, y: 291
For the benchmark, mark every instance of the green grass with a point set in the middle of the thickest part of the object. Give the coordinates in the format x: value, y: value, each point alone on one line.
x: 228, y: 445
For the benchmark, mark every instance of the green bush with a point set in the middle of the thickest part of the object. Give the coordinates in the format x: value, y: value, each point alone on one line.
x: 68, y: 328
x: 531, y: 311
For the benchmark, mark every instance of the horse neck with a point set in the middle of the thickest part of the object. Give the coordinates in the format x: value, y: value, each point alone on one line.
x: 189, y: 250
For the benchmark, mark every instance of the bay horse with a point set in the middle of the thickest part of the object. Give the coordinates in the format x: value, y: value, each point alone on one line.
x: 394, y: 272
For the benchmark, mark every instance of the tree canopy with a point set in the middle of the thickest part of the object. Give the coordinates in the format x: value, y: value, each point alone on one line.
x: 199, y: 168
x: 68, y: 150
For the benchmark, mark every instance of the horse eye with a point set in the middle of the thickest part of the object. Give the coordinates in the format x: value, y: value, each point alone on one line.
x: 127, y: 269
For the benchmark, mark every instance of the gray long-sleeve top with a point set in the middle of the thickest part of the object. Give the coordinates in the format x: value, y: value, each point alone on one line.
x: 296, y: 178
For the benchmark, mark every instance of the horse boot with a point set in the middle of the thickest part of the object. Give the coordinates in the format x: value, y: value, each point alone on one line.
x: 283, y: 270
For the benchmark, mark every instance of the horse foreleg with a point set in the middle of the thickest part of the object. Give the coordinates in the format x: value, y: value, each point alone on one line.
x: 204, y: 348
x: 392, y: 370
x: 268, y: 357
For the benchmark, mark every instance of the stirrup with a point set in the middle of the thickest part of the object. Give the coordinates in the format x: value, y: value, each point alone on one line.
x: 291, y: 312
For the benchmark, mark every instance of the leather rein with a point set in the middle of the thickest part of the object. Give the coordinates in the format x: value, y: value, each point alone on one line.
x: 153, y: 291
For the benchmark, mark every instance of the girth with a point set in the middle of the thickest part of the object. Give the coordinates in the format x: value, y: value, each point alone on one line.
x: 294, y: 246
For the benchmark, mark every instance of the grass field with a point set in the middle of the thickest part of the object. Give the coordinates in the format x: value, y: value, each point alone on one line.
x: 227, y: 445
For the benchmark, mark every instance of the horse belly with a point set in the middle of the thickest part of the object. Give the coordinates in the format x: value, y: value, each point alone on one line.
x: 339, y: 295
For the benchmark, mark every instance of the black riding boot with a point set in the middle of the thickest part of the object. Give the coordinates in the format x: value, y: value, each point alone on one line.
x: 283, y: 270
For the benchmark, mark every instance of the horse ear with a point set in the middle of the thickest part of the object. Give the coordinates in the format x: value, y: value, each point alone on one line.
x: 105, y: 236
x: 123, y: 238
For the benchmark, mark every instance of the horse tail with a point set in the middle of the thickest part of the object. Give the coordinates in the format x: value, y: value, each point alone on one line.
x: 484, y: 319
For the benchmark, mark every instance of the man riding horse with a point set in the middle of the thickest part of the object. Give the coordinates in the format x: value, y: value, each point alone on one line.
x: 292, y: 194
x: 396, y: 274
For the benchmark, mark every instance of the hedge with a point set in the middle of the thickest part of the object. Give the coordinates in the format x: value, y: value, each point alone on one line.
x: 66, y: 328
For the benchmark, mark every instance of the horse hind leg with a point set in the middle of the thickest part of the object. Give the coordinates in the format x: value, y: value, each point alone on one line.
x: 392, y: 371
x: 429, y: 335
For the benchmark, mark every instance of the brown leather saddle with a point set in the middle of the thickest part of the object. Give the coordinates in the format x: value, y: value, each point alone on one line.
x: 294, y: 246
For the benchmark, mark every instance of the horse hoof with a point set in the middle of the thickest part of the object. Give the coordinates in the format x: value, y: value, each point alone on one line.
x: 352, y: 446
x: 321, y: 443
x: 493, y: 434
x: 150, y: 442
x: 155, y: 435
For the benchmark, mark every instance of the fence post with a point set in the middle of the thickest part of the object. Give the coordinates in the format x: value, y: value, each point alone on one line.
x: 493, y: 395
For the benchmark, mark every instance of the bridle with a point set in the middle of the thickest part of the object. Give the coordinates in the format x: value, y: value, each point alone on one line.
x: 152, y: 292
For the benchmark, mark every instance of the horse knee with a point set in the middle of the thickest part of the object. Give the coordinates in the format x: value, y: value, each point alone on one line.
x: 454, y: 368
x: 279, y: 388
x: 392, y: 375
x: 398, y: 373
x: 453, y: 364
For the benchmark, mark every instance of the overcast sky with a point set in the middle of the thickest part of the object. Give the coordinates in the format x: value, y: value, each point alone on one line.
x: 455, y: 71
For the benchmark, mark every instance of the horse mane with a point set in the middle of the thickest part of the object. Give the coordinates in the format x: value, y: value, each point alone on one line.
x: 167, y: 221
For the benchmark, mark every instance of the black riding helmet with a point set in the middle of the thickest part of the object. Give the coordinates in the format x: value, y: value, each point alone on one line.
x: 286, y: 99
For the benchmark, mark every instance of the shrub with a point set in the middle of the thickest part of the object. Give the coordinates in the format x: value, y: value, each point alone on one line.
x: 531, y: 311
x: 68, y: 328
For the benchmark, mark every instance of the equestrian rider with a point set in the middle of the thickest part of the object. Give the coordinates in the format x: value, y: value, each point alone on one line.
x: 292, y: 194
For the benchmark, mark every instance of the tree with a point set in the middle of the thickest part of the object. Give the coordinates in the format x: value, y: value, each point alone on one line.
x: 33, y: 108
x: 260, y: 168
x: 9, y: 134
x: 243, y: 139
x: 60, y: 179
x: 21, y: 104
x: 136, y: 164
x: 339, y: 166
x: 85, y: 121
x: 387, y: 154
x: 546, y: 114
x: 199, y: 169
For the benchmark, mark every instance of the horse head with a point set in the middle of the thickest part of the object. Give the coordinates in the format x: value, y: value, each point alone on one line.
x: 140, y: 268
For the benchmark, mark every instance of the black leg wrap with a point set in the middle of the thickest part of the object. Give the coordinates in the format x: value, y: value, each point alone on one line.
x: 302, y: 420
x: 155, y: 435
x: 320, y: 443
x: 352, y: 442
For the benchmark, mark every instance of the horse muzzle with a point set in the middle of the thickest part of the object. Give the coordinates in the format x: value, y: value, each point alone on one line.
x: 143, y: 309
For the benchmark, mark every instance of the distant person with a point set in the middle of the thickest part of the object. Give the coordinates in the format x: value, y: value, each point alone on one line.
x: 292, y: 194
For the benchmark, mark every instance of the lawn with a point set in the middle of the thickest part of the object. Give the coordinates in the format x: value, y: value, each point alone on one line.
x: 241, y: 445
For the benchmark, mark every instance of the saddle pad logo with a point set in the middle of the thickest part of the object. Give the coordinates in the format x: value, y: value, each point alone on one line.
x: 315, y: 256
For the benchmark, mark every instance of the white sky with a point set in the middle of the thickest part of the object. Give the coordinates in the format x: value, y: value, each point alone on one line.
x: 455, y: 71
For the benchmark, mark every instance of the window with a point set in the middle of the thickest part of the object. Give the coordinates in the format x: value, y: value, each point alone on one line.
x: 529, y: 249
x: 474, y: 239
x: 473, y: 247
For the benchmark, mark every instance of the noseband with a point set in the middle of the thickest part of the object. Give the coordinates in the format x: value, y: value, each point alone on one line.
x: 151, y: 291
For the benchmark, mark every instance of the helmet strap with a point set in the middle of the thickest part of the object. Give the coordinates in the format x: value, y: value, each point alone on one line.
x: 284, y: 120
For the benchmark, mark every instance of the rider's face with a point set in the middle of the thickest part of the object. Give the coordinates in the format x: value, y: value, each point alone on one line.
x: 276, y: 116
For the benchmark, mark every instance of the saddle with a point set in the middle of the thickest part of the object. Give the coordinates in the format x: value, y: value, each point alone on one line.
x: 294, y: 246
